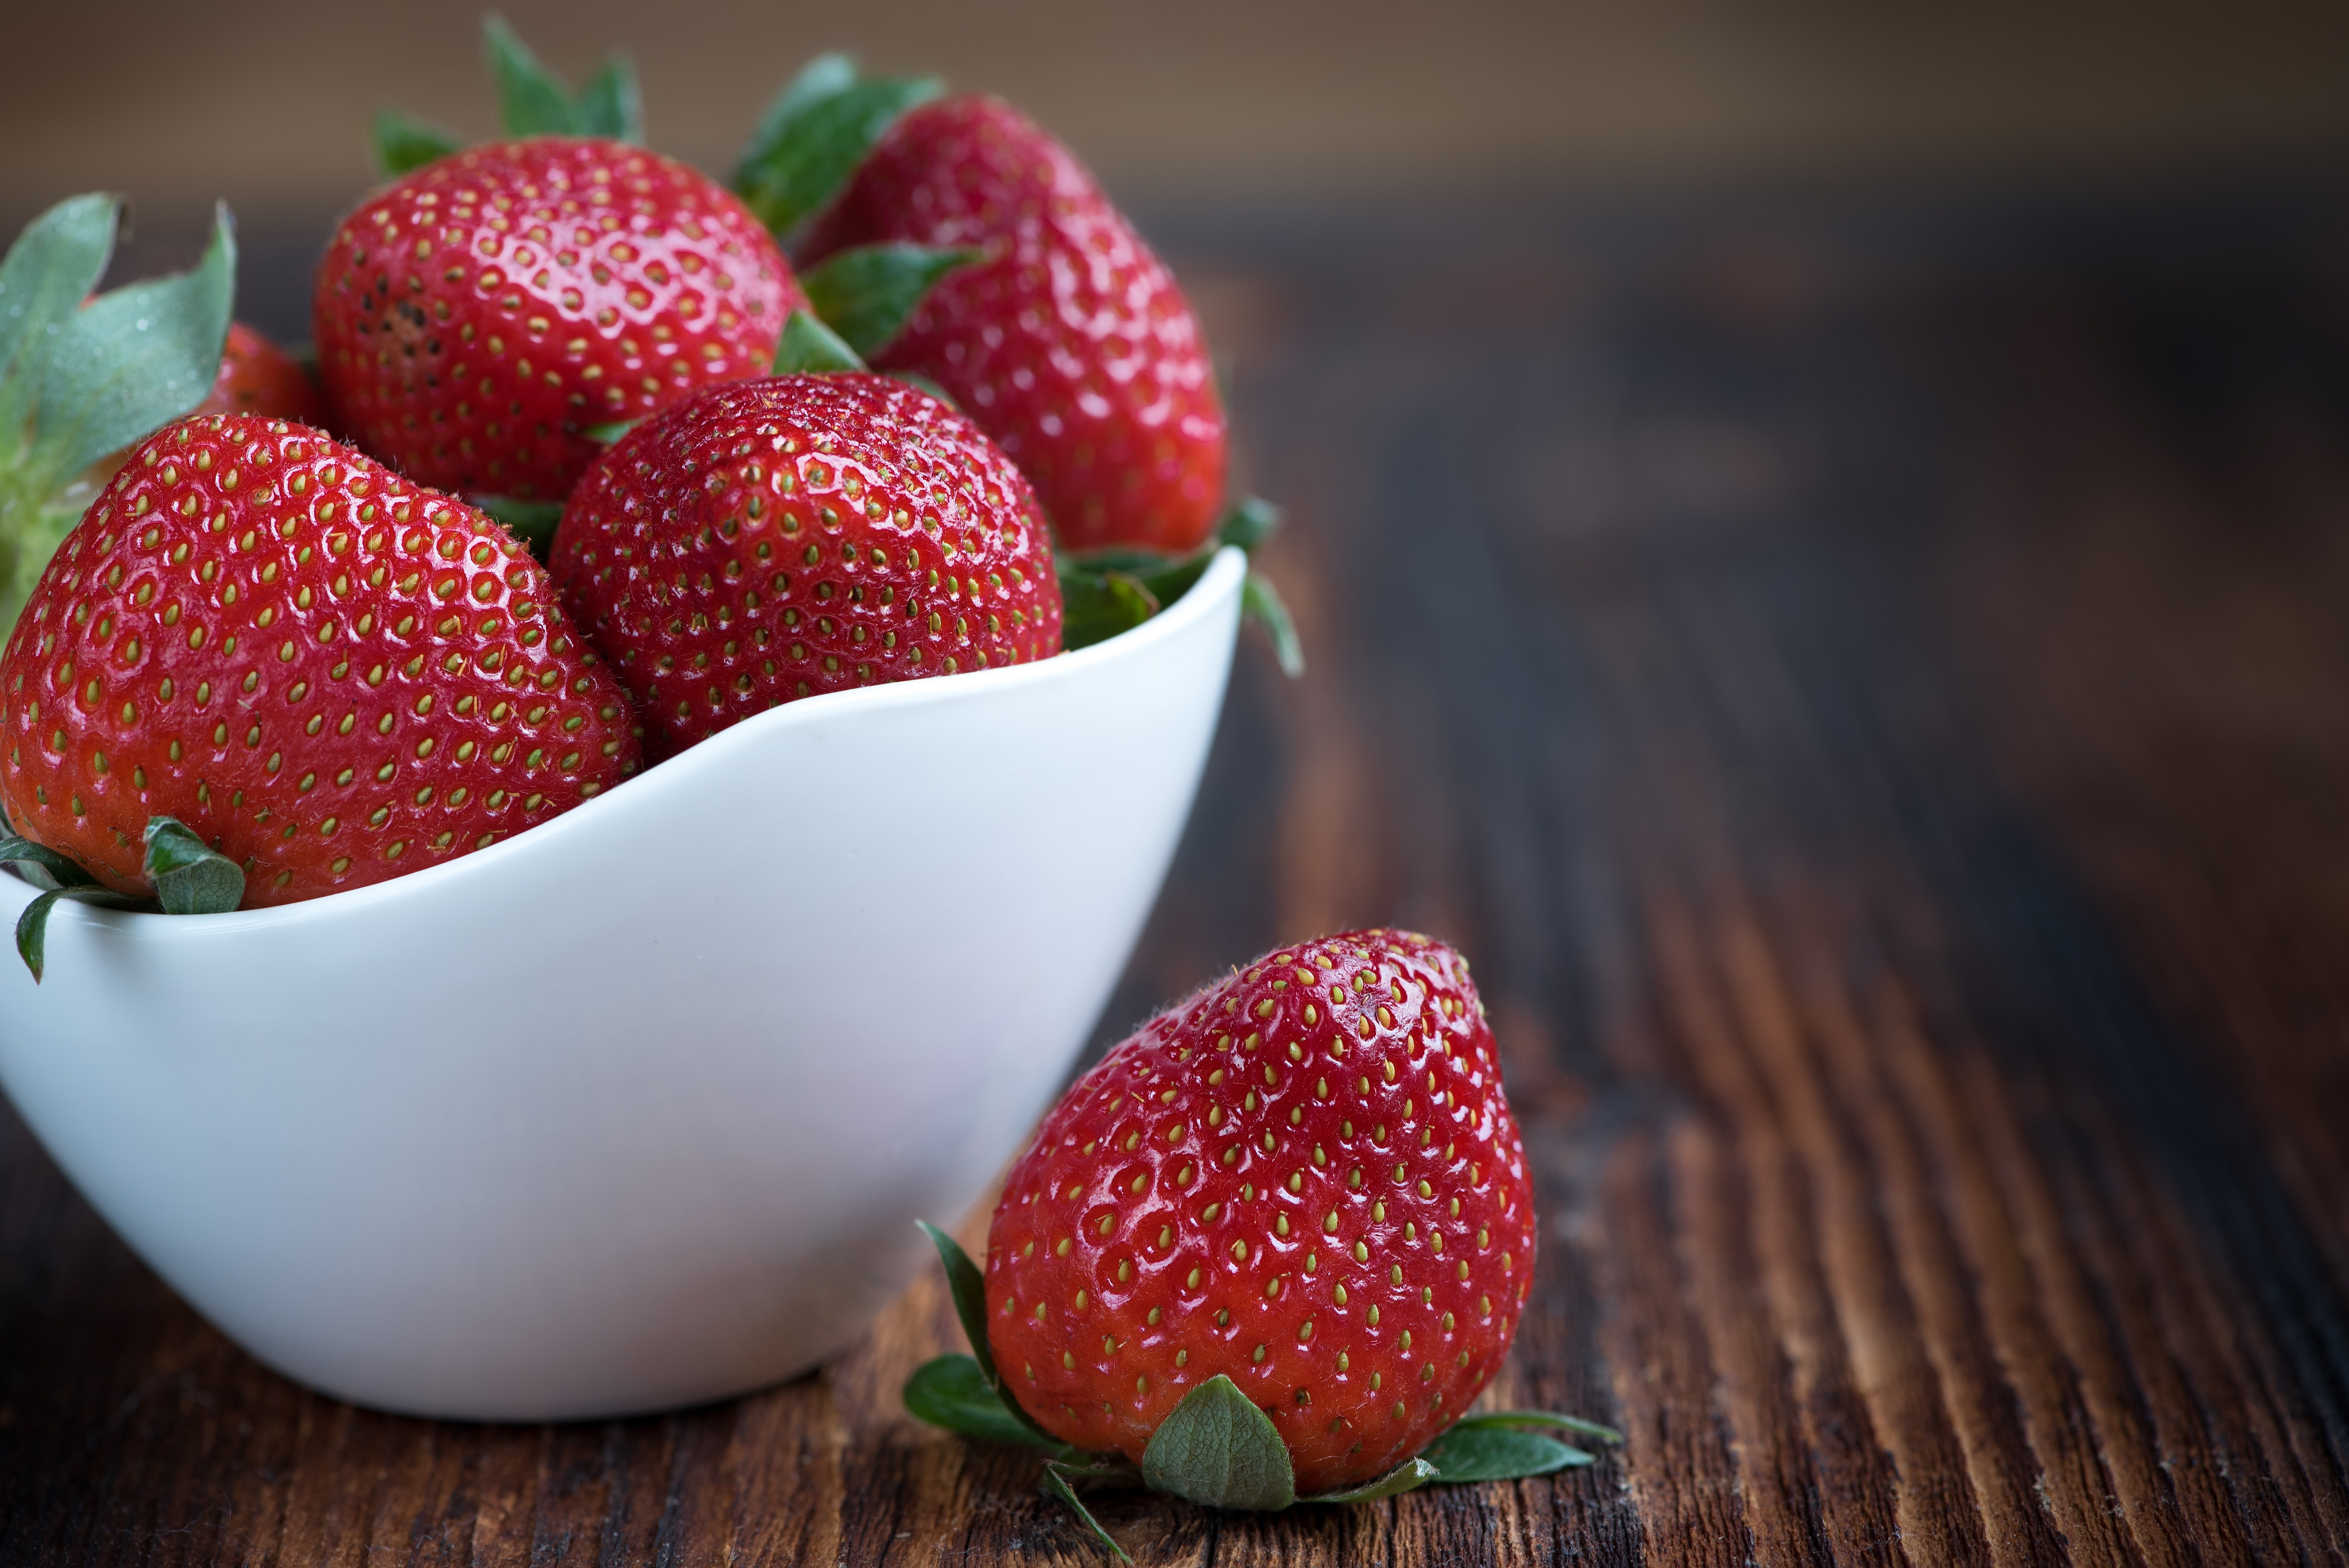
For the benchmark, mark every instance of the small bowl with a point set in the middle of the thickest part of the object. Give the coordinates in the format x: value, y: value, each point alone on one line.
x: 637, y: 1108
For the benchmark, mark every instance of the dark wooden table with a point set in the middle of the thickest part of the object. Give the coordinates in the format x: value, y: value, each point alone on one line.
x: 1869, y: 688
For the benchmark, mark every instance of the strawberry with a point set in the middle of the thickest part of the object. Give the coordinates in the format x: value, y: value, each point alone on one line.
x: 256, y: 377
x: 1306, y: 1179
x: 1067, y: 339
x: 765, y: 541
x: 479, y: 318
x: 329, y: 673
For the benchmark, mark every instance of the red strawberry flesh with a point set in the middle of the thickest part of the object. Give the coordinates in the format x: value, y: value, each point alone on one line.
x: 1306, y: 1179
x: 256, y: 377
x: 767, y: 541
x: 328, y: 673
x: 1070, y: 341
x: 476, y: 319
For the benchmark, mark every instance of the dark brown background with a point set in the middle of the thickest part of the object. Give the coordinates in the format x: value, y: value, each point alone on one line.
x: 1824, y: 542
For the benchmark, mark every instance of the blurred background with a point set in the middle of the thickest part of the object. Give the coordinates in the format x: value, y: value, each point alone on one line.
x: 1226, y: 103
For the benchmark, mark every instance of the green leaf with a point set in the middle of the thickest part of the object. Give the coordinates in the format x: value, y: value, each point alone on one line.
x: 1056, y: 1482
x: 33, y: 925
x: 1408, y: 1476
x: 1216, y: 1447
x: 953, y: 1392
x: 1097, y: 606
x: 41, y: 865
x: 133, y: 360
x: 1261, y: 602
x: 532, y: 523
x: 866, y: 293
x: 54, y: 265
x: 532, y: 99
x: 814, y: 134
x: 967, y: 1287
x: 403, y: 144
x: 1467, y: 1454
x: 1248, y: 524
x: 1605, y: 1434
x: 605, y: 435
x: 827, y: 76
x: 809, y: 347
x: 191, y: 877
x: 612, y: 104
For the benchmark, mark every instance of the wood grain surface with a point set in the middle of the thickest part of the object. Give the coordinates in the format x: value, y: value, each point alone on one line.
x: 1869, y: 688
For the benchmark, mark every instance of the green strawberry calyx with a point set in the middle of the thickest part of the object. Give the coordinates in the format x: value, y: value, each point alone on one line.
x: 1105, y: 591
x: 814, y: 134
x: 532, y: 101
x: 84, y: 375
x: 191, y: 877
x: 1215, y: 1447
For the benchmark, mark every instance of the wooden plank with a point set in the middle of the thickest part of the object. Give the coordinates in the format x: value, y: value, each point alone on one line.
x: 1870, y: 694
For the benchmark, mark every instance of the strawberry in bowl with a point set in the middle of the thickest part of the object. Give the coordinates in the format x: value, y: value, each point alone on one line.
x: 479, y: 318
x: 485, y: 1077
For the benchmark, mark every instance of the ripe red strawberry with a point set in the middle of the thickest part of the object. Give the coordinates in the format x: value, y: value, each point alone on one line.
x: 1305, y: 1179
x: 477, y: 318
x: 256, y: 377
x: 328, y: 673
x: 765, y: 541
x: 1070, y: 343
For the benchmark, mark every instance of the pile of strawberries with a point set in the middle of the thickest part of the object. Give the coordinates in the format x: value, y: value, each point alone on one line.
x: 589, y: 471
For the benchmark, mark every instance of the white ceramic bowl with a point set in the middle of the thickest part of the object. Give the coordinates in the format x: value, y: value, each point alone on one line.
x: 636, y: 1108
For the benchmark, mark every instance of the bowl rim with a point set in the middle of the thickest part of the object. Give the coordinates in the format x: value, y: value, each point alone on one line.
x: 1226, y: 573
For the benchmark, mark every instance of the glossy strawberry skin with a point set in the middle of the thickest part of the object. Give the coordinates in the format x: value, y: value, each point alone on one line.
x: 767, y: 541
x: 475, y: 319
x: 1306, y: 1179
x: 331, y: 675
x: 1069, y: 342
x: 256, y: 377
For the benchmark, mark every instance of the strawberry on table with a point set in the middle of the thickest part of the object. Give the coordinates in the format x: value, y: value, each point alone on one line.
x: 480, y: 318
x: 1305, y: 1179
x: 329, y: 673
x: 1271, y: 1249
x: 1066, y: 339
x: 765, y: 541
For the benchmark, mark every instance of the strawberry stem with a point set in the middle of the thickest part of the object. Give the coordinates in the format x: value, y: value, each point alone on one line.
x: 814, y: 133
x: 809, y: 347
x: 191, y: 877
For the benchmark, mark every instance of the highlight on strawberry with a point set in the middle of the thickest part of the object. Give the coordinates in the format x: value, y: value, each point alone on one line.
x: 1269, y: 1250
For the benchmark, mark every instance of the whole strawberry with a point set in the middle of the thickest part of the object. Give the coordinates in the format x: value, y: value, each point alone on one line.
x: 329, y: 673
x: 1305, y: 1179
x: 765, y: 541
x: 256, y: 377
x: 478, y: 318
x: 1068, y: 341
